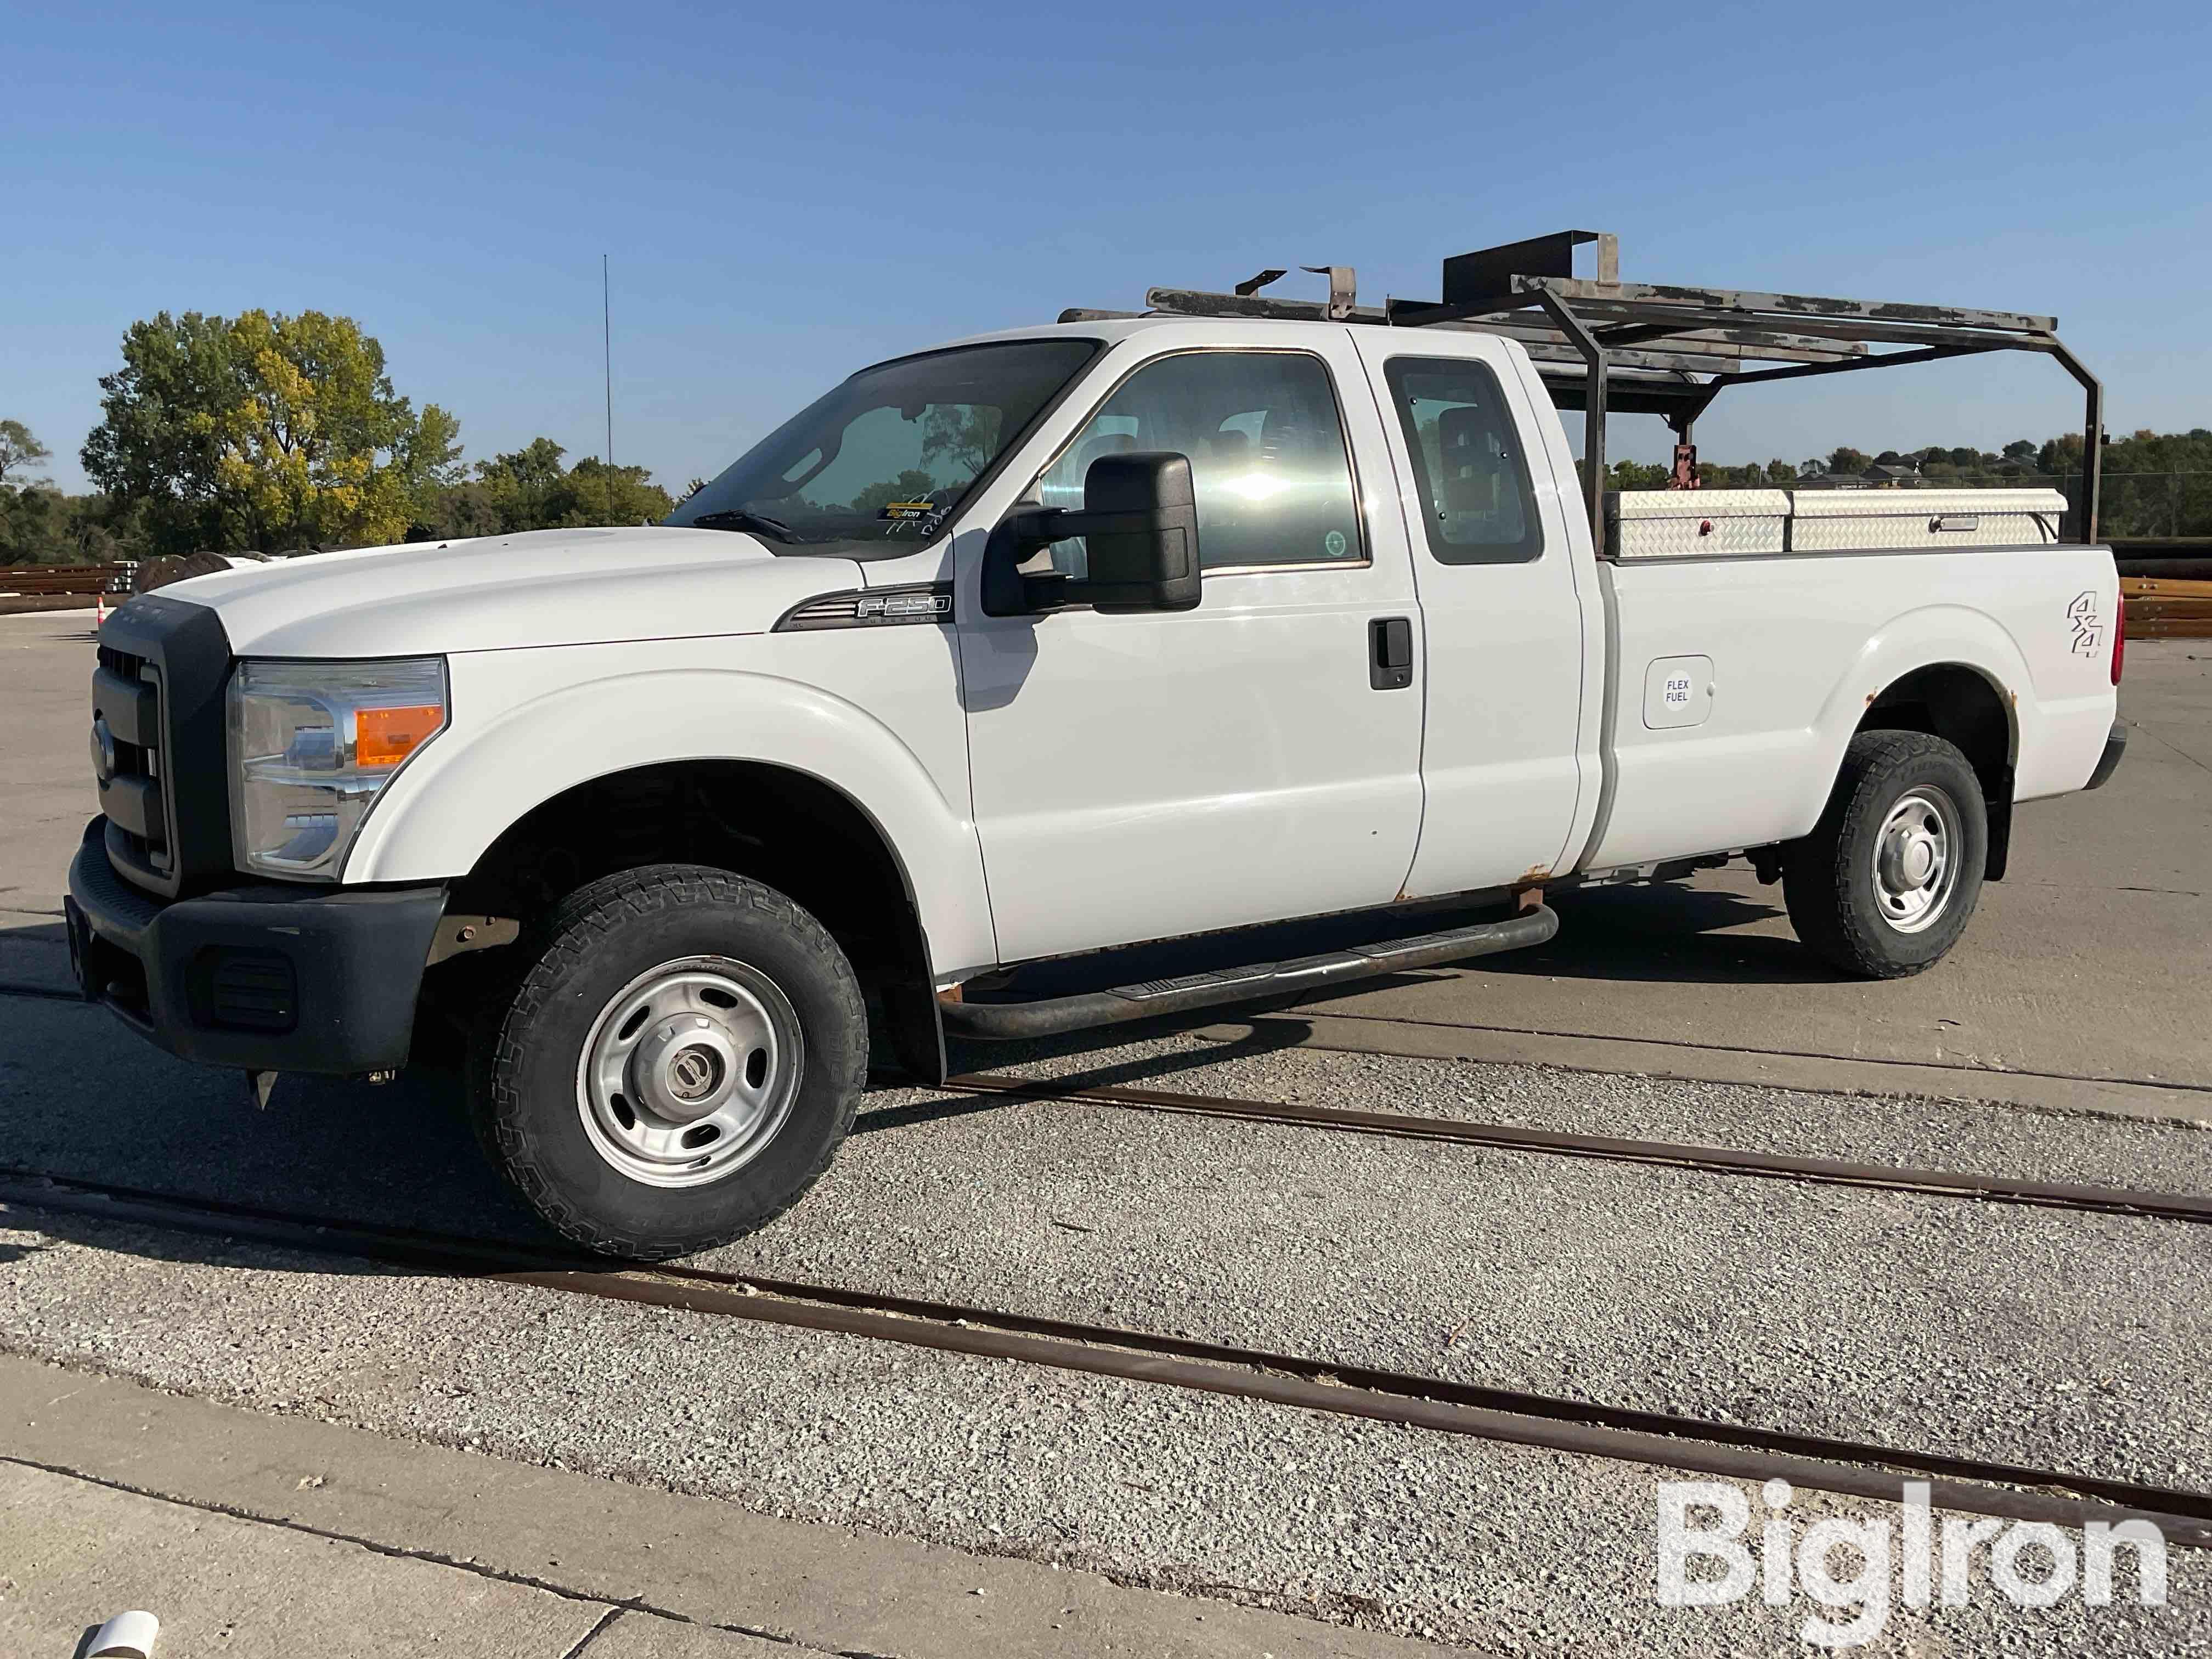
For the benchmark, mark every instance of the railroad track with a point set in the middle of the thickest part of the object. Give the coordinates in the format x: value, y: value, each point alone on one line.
x: 1661, y: 1440
x: 1715, y: 1160
x: 1719, y: 1160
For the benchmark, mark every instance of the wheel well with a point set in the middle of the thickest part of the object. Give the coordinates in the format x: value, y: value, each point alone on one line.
x: 1956, y: 703
x: 801, y: 836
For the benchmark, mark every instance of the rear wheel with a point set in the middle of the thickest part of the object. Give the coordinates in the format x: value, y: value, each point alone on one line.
x: 1886, y: 881
x: 679, y: 1065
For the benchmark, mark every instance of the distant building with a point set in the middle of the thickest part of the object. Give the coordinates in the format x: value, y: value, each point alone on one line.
x: 1877, y: 477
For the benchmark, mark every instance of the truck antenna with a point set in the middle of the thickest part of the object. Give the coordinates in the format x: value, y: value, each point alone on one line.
x: 607, y: 366
x: 607, y: 354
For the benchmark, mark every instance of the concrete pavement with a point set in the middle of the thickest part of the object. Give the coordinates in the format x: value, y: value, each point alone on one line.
x: 251, y: 1536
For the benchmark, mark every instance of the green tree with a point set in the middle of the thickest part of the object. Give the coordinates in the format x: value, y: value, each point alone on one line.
x: 1846, y: 459
x: 599, y: 494
x: 521, y: 488
x: 19, y: 452
x: 39, y: 525
x: 2061, y: 456
x: 263, y: 430
x: 530, y: 489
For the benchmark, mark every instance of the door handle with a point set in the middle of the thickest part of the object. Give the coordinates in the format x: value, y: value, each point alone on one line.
x: 1390, y: 652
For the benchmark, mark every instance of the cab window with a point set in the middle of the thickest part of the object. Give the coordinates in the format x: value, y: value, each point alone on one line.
x: 1266, y: 449
x: 1469, y: 472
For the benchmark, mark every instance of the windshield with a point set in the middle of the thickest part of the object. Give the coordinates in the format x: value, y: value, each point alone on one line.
x: 877, y: 466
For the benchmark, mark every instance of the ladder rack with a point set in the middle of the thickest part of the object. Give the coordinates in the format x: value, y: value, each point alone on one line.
x: 1605, y: 346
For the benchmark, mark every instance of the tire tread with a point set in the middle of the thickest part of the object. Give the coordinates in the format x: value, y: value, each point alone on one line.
x: 575, y: 928
x: 1816, y: 879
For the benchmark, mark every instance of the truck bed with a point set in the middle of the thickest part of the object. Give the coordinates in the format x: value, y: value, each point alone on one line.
x: 1739, y: 679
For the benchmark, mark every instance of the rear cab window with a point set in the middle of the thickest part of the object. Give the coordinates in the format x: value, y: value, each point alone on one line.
x: 1471, y: 477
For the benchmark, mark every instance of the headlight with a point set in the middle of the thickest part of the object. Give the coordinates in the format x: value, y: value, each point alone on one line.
x: 311, y: 745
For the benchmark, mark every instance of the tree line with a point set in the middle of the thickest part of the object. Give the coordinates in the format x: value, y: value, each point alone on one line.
x: 269, y: 433
x: 266, y: 433
x: 2154, y: 483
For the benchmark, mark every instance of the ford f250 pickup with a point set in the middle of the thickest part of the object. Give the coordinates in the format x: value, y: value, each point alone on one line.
x: 1159, y: 630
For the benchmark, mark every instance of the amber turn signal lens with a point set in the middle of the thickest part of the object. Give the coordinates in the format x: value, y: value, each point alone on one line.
x: 386, y: 737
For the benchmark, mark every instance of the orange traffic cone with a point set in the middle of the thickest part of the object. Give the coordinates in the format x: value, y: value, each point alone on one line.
x: 100, y: 608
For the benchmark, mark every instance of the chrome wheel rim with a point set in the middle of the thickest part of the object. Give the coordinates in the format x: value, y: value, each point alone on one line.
x: 690, y: 1071
x: 1916, y: 859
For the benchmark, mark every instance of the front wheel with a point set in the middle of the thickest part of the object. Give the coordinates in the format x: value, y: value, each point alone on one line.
x: 1885, y: 884
x: 677, y: 1067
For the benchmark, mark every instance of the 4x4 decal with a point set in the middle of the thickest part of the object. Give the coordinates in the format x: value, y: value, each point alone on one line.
x: 2089, y: 630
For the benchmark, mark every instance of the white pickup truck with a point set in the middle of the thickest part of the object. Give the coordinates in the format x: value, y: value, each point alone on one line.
x: 1002, y: 656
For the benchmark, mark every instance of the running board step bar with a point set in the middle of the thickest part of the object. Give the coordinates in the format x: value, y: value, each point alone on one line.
x: 1046, y: 1016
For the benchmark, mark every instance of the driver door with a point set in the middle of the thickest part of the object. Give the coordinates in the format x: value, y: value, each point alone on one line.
x: 1145, y: 776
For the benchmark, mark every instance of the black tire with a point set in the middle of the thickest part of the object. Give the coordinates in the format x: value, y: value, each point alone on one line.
x: 1829, y: 879
x: 602, y: 942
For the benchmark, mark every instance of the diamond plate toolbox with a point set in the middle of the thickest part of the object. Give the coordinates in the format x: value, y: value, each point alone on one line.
x: 1675, y: 523
x: 1841, y: 520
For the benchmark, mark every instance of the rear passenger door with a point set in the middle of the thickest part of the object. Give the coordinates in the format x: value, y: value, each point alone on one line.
x: 1499, y: 608
x: 1140, y: 776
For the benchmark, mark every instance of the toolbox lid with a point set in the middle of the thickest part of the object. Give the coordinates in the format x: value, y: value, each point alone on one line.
x: 1627, y: 504
x: 1923, y: 503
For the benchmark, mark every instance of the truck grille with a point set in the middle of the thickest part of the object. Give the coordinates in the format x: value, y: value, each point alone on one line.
x: 157, y: 741
x: 127, y: 702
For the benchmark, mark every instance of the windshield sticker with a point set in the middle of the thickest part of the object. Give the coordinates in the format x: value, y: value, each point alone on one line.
x: 907, y: 509
x: 1334, y: 543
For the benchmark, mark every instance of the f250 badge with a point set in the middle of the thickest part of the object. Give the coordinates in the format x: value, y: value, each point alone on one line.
x: 2088, y: 631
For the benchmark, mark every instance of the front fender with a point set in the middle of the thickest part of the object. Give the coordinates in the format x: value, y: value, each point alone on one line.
x: 528, y: 728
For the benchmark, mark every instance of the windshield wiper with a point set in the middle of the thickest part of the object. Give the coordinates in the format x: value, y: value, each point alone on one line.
x: 738, y: 518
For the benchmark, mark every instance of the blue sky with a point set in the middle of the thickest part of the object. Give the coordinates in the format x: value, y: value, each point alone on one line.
x: 789, y: 194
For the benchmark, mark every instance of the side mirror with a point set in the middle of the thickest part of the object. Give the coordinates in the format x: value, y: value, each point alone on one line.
x: 1139, y: 522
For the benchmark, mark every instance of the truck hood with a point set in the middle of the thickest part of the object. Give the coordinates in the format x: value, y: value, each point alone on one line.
x: 497, y: 593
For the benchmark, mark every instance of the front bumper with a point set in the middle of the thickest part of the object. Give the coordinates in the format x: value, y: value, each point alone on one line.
x: 2116, y: 744
x: 268, y: 976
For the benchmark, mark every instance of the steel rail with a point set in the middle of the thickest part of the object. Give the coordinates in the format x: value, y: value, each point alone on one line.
x: 1725, y: 1160
x: 1737, y: 1451
x: 1780, y: 1166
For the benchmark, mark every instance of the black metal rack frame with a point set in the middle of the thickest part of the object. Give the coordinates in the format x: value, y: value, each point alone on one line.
x: 1606, y: 346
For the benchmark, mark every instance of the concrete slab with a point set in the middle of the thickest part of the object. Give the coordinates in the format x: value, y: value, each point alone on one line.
x: 45, y: 680
x: 532, y: 1529
x: 643, y: 1636
x: 77, y: 1552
